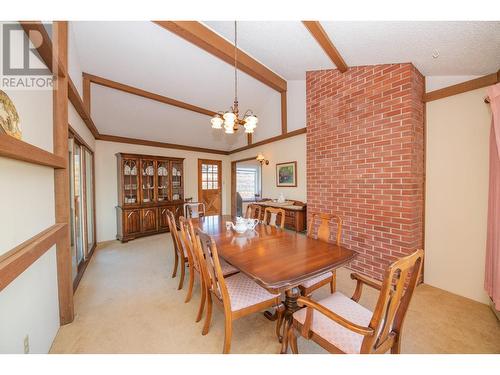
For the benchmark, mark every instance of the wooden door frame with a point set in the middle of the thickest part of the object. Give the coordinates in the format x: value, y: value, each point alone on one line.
x: 87, y: 252
x: 233, y: 182
x: 200, y: 162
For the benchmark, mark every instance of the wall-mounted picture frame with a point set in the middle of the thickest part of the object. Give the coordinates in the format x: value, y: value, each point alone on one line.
x: 286, y: 174
x: 9, y: 118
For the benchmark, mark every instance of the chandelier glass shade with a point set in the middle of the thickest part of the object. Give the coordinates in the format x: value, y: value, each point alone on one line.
x: 230, y: 120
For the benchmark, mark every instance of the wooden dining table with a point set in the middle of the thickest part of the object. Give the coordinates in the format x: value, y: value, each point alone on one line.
x: 278, y: 260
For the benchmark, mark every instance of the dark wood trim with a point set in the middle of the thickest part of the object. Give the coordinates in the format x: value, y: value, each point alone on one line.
x: 77, y: 102
x: 249, y: 138
x: 83, y: 268
x: 86, y: 94
x: 17, y: 260
x: 13, y: 148
x: 284, y: 115
x: 270, y: 140
x: 146, y: 94
x: 32, y: 28
x: 144, y: 142
x: 61, y: 176
x: 219, y: 170
x: 324, y: 41
x: 211, y: 42
x: 460, y: 88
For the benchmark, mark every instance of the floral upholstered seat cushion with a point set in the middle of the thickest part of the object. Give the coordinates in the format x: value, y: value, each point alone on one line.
x: 309, y: 283
x: 244, y: 292
x: 343, y: 338
x: 226, y: 268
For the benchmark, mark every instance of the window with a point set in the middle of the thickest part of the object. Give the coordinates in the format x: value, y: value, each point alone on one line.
x: 209, y: 176
x: 248, y: 182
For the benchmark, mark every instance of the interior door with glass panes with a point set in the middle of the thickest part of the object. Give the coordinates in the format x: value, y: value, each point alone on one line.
x: 209, y: 185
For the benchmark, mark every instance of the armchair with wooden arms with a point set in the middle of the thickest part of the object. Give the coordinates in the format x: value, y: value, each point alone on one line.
x: 342, y: 325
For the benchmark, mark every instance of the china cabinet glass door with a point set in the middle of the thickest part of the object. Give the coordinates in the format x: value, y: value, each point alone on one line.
x: 177, y: 181
x: 162, y: 182
x: 148, y: 180
x: 130, y: 181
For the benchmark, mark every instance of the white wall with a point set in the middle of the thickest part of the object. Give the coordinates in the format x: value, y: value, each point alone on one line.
x: 79, y: 126
x: 289, y: 149
x: 106, y: 180
x: 296, y: 105
x: 457, y: 193
x: 29, y: 305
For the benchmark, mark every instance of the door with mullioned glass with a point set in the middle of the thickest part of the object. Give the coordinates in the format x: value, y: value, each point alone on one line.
x: 210, y: 185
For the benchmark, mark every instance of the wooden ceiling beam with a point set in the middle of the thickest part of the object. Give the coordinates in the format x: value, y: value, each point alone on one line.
x: 34, y: 30
x: 324, y: 41
x: 146, y: 94
x: 459, y: 88
x: 208, y: 40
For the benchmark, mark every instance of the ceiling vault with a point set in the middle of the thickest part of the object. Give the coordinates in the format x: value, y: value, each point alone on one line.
x: 145, y: 94
x: 208, y: 40
x: 324, y: 41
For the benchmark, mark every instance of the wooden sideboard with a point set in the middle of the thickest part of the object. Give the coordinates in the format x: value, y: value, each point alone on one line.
x: 148, y: 186
x: 295, y: 213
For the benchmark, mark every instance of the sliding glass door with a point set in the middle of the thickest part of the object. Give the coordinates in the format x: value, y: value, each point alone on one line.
x: 81, y: 183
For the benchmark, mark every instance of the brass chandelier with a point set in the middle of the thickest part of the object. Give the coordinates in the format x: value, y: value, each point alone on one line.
x: 230, y: 119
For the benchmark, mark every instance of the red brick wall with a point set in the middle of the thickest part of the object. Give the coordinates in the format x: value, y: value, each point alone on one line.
x: 365, y: 158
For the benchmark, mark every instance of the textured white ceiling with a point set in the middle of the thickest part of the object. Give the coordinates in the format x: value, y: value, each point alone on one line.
x: 286, y: 47
x: 465, y: 48
x: 144, y: 55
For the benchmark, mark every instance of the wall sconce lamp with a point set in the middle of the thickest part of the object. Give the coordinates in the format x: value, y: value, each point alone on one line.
x: 262, y: 160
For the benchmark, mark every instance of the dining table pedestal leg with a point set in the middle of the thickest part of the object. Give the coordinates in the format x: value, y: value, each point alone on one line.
x: 291, y: 306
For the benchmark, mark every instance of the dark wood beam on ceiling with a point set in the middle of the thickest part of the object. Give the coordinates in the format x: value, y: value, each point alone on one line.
x: 270, y: 140
x: 208, y: 40
x: 38, y: 35
x: 144, y: 142
x: 459, y: 88
x: 324, y: 41
x: 146, y: 94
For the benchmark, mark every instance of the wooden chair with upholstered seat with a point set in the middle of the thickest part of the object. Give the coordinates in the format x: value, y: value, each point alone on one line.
x: 254, y: 211
x: 194, y: 210
x: 322, y: 232
x: 238, y: 295
x: 180, y: 253
x: 188, y: 241
x: 342, y: 325
x: 271, y: 215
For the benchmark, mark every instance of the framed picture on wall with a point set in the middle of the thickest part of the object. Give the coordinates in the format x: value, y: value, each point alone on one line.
x: 286, y: 174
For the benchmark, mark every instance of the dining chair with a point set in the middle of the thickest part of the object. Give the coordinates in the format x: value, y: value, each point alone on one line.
x: 180, y: 253
x: 342, y: 325
x: 253, y: 211
x: 322, y: 232
x: 188, y: 241
x: 238, y: 295
x: 194, y: 209
x: 271, y: 217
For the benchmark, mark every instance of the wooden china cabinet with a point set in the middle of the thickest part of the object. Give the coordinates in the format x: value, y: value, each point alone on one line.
x: 148, y: 186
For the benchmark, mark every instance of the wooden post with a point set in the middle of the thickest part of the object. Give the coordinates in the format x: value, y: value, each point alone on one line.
x: 86, y: 94
x: 61, y: 176
x: 284, y: 129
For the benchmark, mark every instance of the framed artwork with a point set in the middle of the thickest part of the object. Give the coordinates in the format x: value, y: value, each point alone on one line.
x: 286, y: 174
x: 9, y: 119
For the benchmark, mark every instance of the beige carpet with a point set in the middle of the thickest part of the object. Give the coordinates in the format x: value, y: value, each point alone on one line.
x: 127, y: 302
